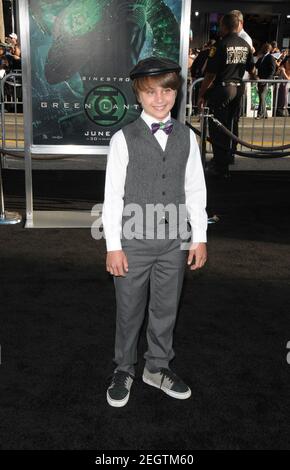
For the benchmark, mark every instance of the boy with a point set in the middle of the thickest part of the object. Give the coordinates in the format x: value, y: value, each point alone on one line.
x: 152, y: 161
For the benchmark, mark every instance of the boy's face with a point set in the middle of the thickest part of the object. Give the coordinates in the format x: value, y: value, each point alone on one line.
x: 156, y: 100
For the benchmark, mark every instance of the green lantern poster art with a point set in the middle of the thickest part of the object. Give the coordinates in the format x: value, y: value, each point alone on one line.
x: 81, y: 55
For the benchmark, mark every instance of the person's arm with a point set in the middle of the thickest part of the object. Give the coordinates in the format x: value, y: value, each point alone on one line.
x: 214, y: 62
x: 195, y: 200
x: 251, y: 68
x: 196, y: 66
x: 253, y: 74
x: 116, y: 262
x: 273, y: 66
x: 282, y: 73
x: 270, y: 66
x: 206, y: 84
x: 257, y: 65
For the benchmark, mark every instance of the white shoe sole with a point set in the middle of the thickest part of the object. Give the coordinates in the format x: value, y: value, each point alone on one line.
x: 171, y: 393
x: 118, y: 403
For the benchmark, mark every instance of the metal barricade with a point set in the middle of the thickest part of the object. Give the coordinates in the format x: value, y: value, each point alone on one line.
x: 272, y: 131
x: 11, y: 132
x: 191, y: 107
x: 12, y: 129
x: 264, y: 134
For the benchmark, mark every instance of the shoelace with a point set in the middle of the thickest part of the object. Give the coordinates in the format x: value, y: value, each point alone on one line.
x: 168, y: 374
x: 120, y: 379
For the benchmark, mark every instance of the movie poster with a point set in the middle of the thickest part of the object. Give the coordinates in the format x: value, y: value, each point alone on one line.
x: 81, y: 55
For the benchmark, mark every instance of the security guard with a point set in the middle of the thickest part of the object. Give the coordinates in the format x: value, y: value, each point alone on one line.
x: 223, y: 89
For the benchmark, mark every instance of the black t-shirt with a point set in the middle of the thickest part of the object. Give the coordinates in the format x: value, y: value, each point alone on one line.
x: 230, y: 58
x: 199, y: 64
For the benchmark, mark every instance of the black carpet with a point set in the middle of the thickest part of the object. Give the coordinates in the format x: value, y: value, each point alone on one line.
x: 58, y: 315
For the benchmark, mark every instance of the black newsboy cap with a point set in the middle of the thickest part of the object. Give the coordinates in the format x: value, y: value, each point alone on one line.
x: 154, y: 66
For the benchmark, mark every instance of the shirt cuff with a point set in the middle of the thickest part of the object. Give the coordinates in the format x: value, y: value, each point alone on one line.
x: 113, y: 243
x: 198, y: 236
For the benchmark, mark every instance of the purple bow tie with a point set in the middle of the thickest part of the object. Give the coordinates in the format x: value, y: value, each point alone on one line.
x: 164, y: 126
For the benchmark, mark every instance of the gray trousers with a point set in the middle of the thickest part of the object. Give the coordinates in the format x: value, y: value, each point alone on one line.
x: 156, y: 266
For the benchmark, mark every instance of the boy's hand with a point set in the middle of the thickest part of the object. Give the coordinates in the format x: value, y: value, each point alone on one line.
x: 198, y: 252
x: 117, y: 263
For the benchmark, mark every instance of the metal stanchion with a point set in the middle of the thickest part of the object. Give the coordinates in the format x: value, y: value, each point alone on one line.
x: 203, y: 139
x: 203, y: 133
x: 6, y: 218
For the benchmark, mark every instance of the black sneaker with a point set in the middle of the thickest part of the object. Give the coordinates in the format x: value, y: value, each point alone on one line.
x: 118, y: 392
x: 167, y: 381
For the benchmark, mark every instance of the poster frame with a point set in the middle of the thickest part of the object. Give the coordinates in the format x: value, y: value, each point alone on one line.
x: 75, y: 150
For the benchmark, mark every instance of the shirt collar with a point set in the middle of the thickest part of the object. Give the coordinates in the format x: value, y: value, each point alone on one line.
x: 150, y: 119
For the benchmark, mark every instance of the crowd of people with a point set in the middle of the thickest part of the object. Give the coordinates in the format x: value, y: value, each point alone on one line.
x: 270, y: 63
x: 10, y: 61
x: 224, y: 64
x: 10, y: 55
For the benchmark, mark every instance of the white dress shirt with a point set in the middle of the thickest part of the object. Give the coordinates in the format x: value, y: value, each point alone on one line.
x: 244, y: 35
x: 194, y: 186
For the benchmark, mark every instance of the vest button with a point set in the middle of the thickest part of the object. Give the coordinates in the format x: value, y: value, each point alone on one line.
x: 163, y: 193
x: 164, y: 158
x: 163, y: 176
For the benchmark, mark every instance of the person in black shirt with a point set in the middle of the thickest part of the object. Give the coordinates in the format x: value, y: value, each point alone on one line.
x: 198, y: 70
x: 223, y: 89
x: 199, y: 65
x: 266, y: 67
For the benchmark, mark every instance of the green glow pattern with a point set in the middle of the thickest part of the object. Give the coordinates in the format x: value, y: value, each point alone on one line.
x: 78, y: 44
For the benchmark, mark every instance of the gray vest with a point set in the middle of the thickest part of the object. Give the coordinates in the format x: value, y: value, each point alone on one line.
x: 155, y: 177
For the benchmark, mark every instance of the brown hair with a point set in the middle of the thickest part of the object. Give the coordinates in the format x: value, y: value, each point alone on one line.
x: 266, y: 47
x: 165, y: 80
x: 230, y: 21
